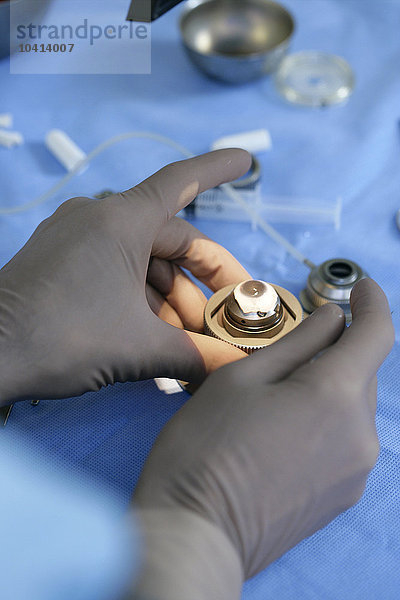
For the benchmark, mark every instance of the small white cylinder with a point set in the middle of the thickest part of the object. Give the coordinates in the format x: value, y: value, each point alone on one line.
x: 255, y: 141
x: 168, y: 386
x: 6, y: 120
x: 8, y: 139
x: 64, y: 149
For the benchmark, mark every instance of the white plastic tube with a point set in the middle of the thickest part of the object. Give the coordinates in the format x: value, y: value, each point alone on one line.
x: 258, y: 140
x: 64, y: 149
x: 6, y: 120
x: 8, y: 139
x: 168, y: 386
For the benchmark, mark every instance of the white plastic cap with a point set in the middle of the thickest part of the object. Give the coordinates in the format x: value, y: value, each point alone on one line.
x: 8, y: 139
x: 168, y: 386
x: 6, y: 120
x: 64, y: 149
x: 255, y: 141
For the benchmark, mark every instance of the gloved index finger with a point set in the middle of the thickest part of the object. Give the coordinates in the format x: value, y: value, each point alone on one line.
x: 177, y: 184
x: 210, y: 263
x: 364, y: 345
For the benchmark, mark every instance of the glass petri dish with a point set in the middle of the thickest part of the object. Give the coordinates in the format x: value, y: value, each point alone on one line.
x: 314, y: 78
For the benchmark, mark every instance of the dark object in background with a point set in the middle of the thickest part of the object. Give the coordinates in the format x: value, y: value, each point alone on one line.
x: 4, y: 414
x: 26, y: 10
x: 149, y: 10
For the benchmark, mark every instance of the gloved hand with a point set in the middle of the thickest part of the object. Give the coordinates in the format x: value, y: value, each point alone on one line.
x: 269, y: 450
x: 75, y: 310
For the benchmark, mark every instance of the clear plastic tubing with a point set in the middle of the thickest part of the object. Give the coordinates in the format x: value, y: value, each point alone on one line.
x: 229, y: 190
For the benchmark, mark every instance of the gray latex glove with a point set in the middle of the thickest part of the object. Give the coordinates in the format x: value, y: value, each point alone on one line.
x: 270, y: 449
x: 76, y: 312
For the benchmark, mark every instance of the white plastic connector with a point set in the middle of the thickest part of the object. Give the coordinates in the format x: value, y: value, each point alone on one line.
x: 6, y: 120
x: 8, y: 139
x: 64, y: 149
x: 168, y: 386
x: 255, y: 141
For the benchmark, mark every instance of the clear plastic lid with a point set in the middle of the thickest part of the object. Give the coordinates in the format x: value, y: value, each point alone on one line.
x: 314, y: 78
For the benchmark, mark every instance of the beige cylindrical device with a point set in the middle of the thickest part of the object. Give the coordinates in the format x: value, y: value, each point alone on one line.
x: 251, y: 315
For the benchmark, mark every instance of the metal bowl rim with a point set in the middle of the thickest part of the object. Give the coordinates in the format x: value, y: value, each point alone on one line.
x: 191, y: 6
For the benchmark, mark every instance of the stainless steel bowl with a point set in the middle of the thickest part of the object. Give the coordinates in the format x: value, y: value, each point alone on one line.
x: 236, y: 40
x: 24, y: 10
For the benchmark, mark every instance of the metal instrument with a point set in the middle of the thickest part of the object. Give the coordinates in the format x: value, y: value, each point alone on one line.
x: 332, y: 281
x: 251, y: 315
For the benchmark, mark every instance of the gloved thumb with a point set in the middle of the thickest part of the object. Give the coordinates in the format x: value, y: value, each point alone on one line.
x: 312, y: 336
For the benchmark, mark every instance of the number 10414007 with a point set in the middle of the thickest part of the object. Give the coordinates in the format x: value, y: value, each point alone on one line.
x: 41, y: 48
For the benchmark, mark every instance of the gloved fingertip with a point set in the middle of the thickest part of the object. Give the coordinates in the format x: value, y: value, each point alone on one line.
x: 242, y: 158
x: 330, y: 311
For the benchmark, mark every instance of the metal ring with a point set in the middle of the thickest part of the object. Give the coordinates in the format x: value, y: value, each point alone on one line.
x: 332, y: 281
x: 252, y: 176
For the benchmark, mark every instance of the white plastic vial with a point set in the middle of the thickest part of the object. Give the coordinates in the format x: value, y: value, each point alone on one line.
x: 64, y: 149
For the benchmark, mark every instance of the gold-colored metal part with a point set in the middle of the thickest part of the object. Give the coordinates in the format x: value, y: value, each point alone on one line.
x: 251, y: 315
